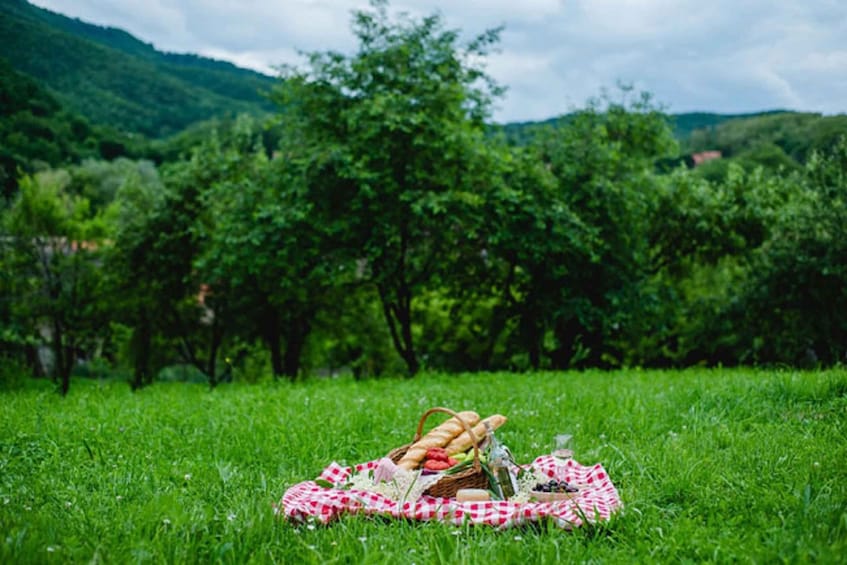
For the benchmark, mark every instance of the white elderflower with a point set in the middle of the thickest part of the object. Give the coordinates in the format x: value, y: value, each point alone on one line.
x: 526, y: 482
x: 404, y: 486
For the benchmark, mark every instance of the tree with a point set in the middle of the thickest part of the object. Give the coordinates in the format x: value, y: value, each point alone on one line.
x: 264, y: 255
x: 388, y: 139
x: 134, y: 274
x: 55, y: 244
x: 162, y: 233
x: 794, y: 305
x: 603, y: 161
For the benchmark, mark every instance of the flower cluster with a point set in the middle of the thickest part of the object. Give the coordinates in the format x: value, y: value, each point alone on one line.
x: 401, y: 487
x: 526, y: 483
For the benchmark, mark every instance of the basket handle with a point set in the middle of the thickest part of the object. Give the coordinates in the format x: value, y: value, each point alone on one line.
x: 468, y: 429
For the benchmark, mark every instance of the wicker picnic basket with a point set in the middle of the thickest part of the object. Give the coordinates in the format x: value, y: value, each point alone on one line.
x: 474, y: 476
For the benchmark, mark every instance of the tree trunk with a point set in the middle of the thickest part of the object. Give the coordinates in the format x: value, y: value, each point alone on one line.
x: 566, y: 332
x: 61, y: 365
x: 399, y: 313
x: 531, y: 332
x: 141, y: 346
x: 276, y: 355
x: 214, y: 345
x: 298, y: 331
x: 67, y: 368
x: 499, y: 317
x: 271, y: 334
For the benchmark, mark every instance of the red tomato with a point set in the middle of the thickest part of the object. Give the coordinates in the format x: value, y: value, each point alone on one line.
x: 434, y: 465
x: 436, y: 454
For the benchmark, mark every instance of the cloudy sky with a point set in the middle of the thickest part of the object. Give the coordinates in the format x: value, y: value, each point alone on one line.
x: 724, y: 56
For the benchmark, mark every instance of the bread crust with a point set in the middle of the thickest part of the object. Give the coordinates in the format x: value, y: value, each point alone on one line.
x: 463, y: 441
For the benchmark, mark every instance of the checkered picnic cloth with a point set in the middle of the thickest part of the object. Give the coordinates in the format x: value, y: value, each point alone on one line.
x: 596, y: 501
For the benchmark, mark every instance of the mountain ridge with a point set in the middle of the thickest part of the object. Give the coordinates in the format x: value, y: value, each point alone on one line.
x: 111, y: 77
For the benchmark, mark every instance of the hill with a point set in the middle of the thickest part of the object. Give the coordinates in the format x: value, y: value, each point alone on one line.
x: 683, y: 124
x: 773, y: 139
x: 796, y: 134
x: 686, y: 123
x: 110, y: 77
x: 36, y: 130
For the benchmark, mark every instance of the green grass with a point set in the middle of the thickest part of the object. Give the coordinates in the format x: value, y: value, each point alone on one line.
x: 712, y: 465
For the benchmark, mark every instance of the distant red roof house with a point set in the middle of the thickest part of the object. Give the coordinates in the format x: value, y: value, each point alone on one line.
x: 704, y: 156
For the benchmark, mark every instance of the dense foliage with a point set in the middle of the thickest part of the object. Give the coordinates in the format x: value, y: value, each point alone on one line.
x: 37, y: 132
x: 378, y: 224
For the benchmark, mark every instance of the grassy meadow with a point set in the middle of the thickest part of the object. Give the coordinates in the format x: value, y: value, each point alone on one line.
x: 712, y: 465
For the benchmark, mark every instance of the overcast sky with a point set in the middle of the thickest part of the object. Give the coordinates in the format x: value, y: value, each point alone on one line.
x: 725, y: 56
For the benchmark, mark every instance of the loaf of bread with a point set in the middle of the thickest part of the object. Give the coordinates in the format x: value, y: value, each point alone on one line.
x: 463, y: 441
x: 437, y: 437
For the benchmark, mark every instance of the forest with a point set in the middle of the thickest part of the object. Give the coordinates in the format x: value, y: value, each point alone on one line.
x: 368, y: 217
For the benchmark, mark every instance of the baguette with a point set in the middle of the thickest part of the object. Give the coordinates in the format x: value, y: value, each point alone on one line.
x: 463, y: 442
x: 437, y: 437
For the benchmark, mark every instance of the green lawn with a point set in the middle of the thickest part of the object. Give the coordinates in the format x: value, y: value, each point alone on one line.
x: 712, y: 465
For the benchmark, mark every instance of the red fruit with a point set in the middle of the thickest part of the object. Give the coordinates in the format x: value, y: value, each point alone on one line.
x: 436, y: 454
x: 435, y: 465
x: 451, y: 461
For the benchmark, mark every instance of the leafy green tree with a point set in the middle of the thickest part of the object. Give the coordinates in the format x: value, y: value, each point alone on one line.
x: 264, y: 256
x: 389, y: 136
x: 160, y: 237
x: 99, y: 181
x: 136, y: 273
x: 700, y: 236
x: 54, y: 245
x: 603, y: 162
x: 794, y: 305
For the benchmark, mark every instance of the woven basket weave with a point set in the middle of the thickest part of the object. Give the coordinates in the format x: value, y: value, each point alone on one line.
x: 473, y: 476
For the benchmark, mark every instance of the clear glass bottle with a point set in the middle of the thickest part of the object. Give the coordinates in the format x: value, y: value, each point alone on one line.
x: 501, y: 463
x: 564, y: 446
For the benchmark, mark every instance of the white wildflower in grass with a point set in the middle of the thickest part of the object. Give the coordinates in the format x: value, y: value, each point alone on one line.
x: 68, y: 504
x: 166, y: 522
x: 50, y: 549
x: 187, y: 477
x: 119, y: 498
x: 230, y: 517
x: 310, y: 526
x: 363, y: 539
x: 518, y: 538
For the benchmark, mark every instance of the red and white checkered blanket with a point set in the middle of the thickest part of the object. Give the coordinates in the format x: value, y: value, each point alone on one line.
x: 596, y: 501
